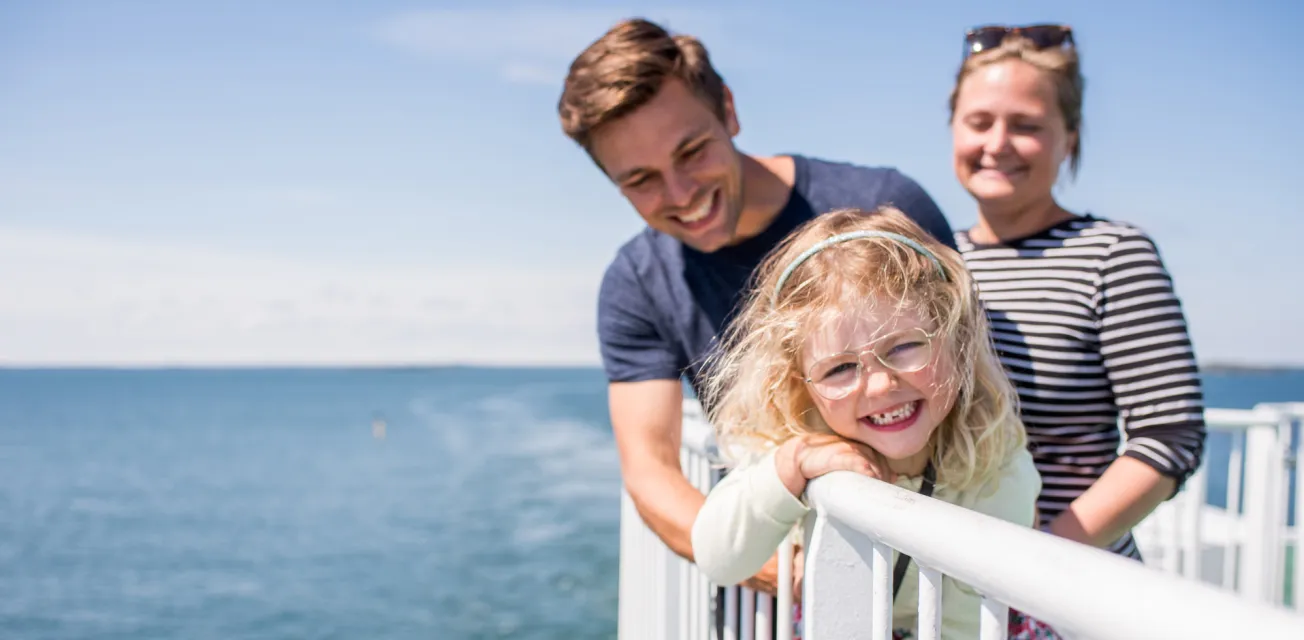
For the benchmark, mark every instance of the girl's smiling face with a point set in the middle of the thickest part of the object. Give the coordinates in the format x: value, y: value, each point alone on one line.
x: 893, y: 411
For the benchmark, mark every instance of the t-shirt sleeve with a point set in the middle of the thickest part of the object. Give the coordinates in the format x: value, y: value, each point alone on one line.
x: 908, y: 196
x: 632, y: 345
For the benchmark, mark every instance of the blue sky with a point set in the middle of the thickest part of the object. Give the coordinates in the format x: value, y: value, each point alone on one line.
x: 380, y: 182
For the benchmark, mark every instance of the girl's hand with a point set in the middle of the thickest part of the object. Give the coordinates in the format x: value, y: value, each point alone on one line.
x: 811, y: 456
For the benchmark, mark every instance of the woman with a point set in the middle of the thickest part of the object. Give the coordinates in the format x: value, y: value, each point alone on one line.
x: 1083, y: 311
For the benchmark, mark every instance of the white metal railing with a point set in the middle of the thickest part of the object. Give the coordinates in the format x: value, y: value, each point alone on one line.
x: 1082, y: 591
x: 663, y: 596
x: 1240, y: 547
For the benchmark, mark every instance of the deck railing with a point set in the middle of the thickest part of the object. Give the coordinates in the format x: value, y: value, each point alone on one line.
x: 1177, y: 594
x: 1243, y: 545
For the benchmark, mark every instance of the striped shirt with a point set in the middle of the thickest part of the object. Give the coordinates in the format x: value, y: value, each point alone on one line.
x: 1091, y: 333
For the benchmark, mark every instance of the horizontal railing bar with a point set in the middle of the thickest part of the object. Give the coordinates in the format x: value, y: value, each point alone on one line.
x: 1234, y: 419
x: 1082, y: 591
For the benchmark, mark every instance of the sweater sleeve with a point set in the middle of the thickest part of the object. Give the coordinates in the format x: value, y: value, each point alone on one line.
x: 1012, y: 496
x: 1149, y: 360
x: 743, y: 521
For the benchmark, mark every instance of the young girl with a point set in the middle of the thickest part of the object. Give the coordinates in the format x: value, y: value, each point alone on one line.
x: 862, y: 348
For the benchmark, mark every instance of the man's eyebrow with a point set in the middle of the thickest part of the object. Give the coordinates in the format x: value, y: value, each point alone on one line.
x: 622, y: 177
x: 692, y: 137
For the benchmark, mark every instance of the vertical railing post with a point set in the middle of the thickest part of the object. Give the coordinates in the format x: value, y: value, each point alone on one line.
x: 1233, y: 545
x: 1262, y: 468
x: 730, y: 626
x: 994, y: 620
x: 1192, y: 506
x: 764, y: 616
x: 633, y: 571
x: 882, y: 595
x: 930, y: 603
x: 747, y: 625
x: 1280, y: 502
x: 1296, y: 476
x: 838, y: 577
x: 783, y: 604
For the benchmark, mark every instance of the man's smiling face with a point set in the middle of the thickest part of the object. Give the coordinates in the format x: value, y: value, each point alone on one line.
x: 675, y: 162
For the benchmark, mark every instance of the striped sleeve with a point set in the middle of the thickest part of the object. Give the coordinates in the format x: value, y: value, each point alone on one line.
x: 1149, y: 360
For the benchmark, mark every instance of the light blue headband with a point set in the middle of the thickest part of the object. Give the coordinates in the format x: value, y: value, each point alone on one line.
x: 854, y: 235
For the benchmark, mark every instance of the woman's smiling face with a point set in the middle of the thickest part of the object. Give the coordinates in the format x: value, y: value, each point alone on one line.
x: 1008, y: 136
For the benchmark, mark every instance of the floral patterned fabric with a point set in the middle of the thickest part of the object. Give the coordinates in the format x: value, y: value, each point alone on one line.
x: 1025, y: 627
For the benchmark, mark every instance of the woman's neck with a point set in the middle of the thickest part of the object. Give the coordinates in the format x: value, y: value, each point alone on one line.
x: 998, y: 223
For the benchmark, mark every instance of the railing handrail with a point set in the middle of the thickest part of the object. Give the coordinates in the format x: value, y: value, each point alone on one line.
x: 1240, y: 419
x: 1041, y: 574
x: 1102, y: 596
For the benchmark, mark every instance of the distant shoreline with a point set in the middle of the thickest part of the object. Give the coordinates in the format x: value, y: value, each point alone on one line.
x: 1210, y: 367
x: 1231, y: 367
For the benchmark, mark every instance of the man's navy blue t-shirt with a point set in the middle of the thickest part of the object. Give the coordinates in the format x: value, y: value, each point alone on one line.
x: 662, y: 304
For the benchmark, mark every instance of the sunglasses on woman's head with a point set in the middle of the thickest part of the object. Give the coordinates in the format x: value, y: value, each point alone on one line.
x: 1042, y: 36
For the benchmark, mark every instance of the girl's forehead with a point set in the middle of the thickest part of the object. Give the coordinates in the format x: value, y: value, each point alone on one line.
x: 854, y: 325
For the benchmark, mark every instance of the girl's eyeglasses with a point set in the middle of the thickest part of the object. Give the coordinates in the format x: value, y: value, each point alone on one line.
x: 1042, y: 36
x: 838, y: 375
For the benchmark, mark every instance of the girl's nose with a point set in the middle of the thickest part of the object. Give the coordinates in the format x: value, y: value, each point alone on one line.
x: 878, y: 381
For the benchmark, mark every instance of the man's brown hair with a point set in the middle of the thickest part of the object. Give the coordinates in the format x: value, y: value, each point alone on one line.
x: 623, y: 69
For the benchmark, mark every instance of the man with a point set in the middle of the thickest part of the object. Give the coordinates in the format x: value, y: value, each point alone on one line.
x: 658, y: 120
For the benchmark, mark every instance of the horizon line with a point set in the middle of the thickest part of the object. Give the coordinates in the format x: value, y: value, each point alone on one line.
x: 1211, y: 365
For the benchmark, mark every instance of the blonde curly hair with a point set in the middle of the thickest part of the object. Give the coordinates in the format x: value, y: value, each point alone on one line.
x: 754, y: 392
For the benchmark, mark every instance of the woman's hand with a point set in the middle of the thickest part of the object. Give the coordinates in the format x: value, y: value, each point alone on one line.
x: 807, y: 457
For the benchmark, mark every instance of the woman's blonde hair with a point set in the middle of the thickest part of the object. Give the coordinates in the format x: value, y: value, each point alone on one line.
x: 754, y: 392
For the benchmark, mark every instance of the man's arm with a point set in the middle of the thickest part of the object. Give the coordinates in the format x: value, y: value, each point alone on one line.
x: 647, y: 417
x: 645, y: 399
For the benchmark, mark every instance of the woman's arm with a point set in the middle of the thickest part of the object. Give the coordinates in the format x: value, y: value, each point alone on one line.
x: 1123, y: 496
x: 1151, y: 366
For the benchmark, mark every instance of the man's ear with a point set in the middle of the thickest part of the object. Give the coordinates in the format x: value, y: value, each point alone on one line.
x: 730, y: 113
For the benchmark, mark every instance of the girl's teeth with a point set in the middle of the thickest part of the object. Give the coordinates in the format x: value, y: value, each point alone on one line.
x: 897, y: 415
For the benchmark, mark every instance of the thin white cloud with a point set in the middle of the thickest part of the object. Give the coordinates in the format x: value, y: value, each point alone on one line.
x: 524, y: 73
x: 528, y: 45
x: 86, y: 300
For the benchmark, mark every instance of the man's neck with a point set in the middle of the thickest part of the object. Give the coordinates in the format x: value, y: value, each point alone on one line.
x: 1002, y: 224
x: 767, y: 186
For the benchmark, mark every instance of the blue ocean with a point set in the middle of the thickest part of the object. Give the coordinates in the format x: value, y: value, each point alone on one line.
x: 327, y: 503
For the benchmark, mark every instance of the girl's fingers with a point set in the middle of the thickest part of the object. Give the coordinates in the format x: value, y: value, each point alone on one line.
x: 824, y: 453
